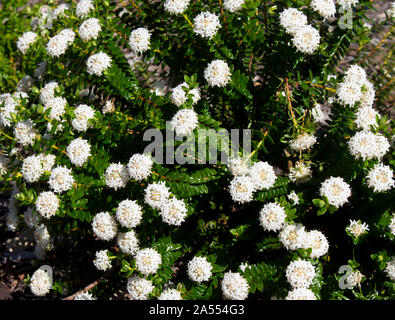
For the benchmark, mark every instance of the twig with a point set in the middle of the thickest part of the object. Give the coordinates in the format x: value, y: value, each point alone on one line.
x: 290, y: 104
x: 378, y: 46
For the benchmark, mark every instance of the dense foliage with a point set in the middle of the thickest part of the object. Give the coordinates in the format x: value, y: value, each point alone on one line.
x: 240, y: 219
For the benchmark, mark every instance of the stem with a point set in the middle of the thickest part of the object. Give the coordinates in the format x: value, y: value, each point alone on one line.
x: 6, y: 135
x: 187, y: 19
x: 290, y: 104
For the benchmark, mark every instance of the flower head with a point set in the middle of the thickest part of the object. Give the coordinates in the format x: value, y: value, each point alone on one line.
x: 139, y: 40
x: 40, y: 282
x: 129, y: 214
x: 116, y: 176
x: 199, y: 269
x: 206, y: 24
x: 102, y: 262
x: 380, y: 178
x: 234, y: 286
x: 139, y: 288
x: 217, y: 73
x: 300, y: 273
x: 272, y: 216
x: 60, y: 179
x: 184, y: 121
x: 140, y: 167
x: 336, y: 190
x: 104, y: 226
x: 98, y: 63
x: 148, y: 261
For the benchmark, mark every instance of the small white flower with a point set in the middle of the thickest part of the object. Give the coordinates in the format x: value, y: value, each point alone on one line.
x: 148, y: 261
x: 272, y: 216
x: 336, y: 190
x: 32, y: 169
x: 83, y: 113
x: 128, y: 242
x: 302, y: 142
x: 179, y: 96
x: 59, y: 43
x: 390, y: 269
x: 355, y: 74
x: 108, y: 107
x: 24, y: 132
x: 292, y: 236
x: 176, y: 6
x: 234, y: 286
x: 301, y: 294
x: 199, y: 269
x: 233, y: 5
x: 242, y: 189
x: 78, y: 151
x: 306, y: 39
x: 139, y: 167
x: 129, y: 213
x: 293, y: 197
x: 300, y: 273
x: 184, y: 122
x: 380, y: 178
x: 139, y: 288
x: 104, y: 226
x: 354, y: 279
x: 61, y: 179
x: 48, y: 92
x: 26, y: 40
x: 357, y: 228
x: 116, y: 176
x: 325, y: 8
x: 40, y: 282
x: 97, y: 63
x: 47, y: 204
x: 84, y: 296
x: 392, y: 225
x: 318, y: 114
x: 349, y: 93
x: 366, y: 117
x: 60, y: 10
x: 89, y: 29
x: 368, y: 94
x: 206, y: 24
x: 300, y: 173
x: 170, y: 294
x: 68, y: 34
x: 217, y: 73
x: 317, y: 242
x: 57, y: 106
x: 238, y: 166
x: 139, y: 40
x: 262, y: 175
x: 156, y: 194
x: 102, y: 262
x: 347, y: 3
x: 292, y: 19
x: 173, y: 211
x: 84, y: 7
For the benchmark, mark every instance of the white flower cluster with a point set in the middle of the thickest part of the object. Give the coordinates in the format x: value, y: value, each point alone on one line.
x: 318, y: 114
x: 366, y: 145
x: 26, y: 40
x: 336, y: 190
x: 217, y: 73
x: 301, y: 294
x: 60, y: 10
x: 128, y: 242
x: 300, y: 273
x: 293, y: 236
x: 140, y: 167
x: 199, y: 269
x: 57, y: 107
x: 139, y: 40
x: 390, y: 269
x: 380, y: 178
x: 206, y: 24
x: 84, y: 7
x: 316, y: 241
x: 173, y: 211
x: 357, y: 228
x: 293, y: 197
x: 97, y: 63
x: 262, y: 175
x: 47, y: 203
x: 233, y: 5
x: 300, y: 173
x: 176, y: 6
x: 242, y: 189
x: 59, y: 43
x: 234, y: 286
x: 139, y: 288
x: 129, y: 214
x: 306, y: 38
x: 84, y: 296
x: 32, y: 169
x: 41, y: 282
x: 392, y: 225
x: 108, y: 107
x: 102, y: 262
x: 83, y: 113
x: 238, y: 166
x: 24, y: 132
x: 354, y: 279
x: 60, y: 179
x: 325, y: 8
x: 303, y: 141
x: 184, y: 122
x: 89, y: 29
x: 116, y: 176
x: 272, y: 216
x: 78, y: 151
x: 365, y: 117
x: 148, y: 261
x: 104, y: 226
x: 170, y: 294
x: 179, y: 96
x: 156, y: 194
